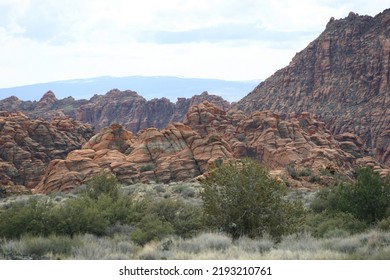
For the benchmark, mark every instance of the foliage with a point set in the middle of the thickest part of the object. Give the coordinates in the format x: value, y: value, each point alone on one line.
x: 185, y: 219
x: 384, y: 225
x: 147, y: 167
x: 32, y: 217
x: 324, y: 224
x: 242, y: 199
x: 93, y: 211
x: 103, y: 183
x: 368, y: 199
x: 151, y: 228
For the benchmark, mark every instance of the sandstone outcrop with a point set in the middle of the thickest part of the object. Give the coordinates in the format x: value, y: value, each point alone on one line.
x: 126, y: 108
x: 27, y: 145
x: 208, y: 137
x: 175, y: 153
x: 342, y: 77
x: 276, y: 142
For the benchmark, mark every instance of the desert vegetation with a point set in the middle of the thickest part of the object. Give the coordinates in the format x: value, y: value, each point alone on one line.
x: 239, y: 212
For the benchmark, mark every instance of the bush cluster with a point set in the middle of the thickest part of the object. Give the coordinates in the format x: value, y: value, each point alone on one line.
x: 240, y: 198
x: 98, y: 210
x: 352, y: 206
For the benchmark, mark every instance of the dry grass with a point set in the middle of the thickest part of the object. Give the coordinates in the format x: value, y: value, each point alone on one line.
x: 217, y: 246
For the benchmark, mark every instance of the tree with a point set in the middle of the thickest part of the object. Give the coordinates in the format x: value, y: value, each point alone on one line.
x: 241, y: 198
x: 368, y: 198
x: 103, y: 183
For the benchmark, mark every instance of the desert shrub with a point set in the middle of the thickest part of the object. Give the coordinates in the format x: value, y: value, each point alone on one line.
x: 292, y: 171
x: 368, y: 198
x: 93, y: 247
x: 240, y: 198
x: 150, y: 228
x: 325, y: 224
x: 37, y: 247
x: 299, y: 242
x: 384, y: 225
x: 297, y: 173
x: 147, y: 167
x: 32, y: 217
x: 95, y: 216
x: 188, y: 193
x: 313, y: 178
x: 184, y: 218
x: 103, y: 183
x: 255, y: 245
x: 80, y: 216
x: 206, y: 241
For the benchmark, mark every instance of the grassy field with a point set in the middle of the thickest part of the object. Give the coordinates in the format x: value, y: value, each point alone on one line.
x: 165, y: 221
x: 217, y: 246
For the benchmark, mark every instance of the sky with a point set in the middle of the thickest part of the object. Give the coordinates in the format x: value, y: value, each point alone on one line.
x: 50, y: 40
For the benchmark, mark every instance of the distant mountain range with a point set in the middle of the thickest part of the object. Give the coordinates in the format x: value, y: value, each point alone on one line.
x: 148, y: 86
x: 328, y: 110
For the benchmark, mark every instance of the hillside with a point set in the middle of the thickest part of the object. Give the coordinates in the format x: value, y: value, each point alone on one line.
x: 148, y: 86
x: 342, y: 77
x: 208, y: 137
x: 126, y: 108
x: 28, y: 145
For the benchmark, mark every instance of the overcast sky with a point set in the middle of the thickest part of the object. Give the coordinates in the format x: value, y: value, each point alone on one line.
x: 43, y: 40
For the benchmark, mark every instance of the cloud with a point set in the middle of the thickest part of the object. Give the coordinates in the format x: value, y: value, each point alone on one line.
x: 42, y: 40
x: 223, y: 33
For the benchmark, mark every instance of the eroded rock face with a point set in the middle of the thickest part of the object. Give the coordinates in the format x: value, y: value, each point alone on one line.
x: 27, y: 145
x: 126, y: 108
x: 175, y: 153
x: 208, y: 137
x: 342, y: 77
x: 298, y: 140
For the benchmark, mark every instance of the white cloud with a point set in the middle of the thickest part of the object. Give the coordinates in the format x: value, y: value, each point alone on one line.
x: 43, y: 40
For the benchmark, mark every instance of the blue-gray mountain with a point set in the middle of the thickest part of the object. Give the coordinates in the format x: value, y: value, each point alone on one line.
x: 149, y: 87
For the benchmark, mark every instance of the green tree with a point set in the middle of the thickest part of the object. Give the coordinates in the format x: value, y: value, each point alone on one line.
x: 184, y: 218
x: 368, y: 198
x: 103, y: 183
x: 241, y: 198
x: 32, y: 217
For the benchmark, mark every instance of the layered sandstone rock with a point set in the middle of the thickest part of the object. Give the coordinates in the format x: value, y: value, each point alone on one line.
x: 27, y: 145
x: 342, y: 77
x: 298, y: 140
x: 208, y: 137
x: 175, y: 153
x: 126, y: 108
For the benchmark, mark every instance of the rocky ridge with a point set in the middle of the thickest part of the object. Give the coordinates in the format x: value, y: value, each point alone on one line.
x: 208, y: 137
x: 28, y: 145
x: 299, y: 140
x: 175, y: 153
x: 126, y: 108
x: 342, y: 77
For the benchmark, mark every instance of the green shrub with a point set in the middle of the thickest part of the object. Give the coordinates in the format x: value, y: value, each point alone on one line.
x: 146, y: 167
x: 292, y: 171
x: 368, y: 199
x: 80, y: 215
x: 150, y: 228
x: 242, y: 199
x: 33, y: 217
x: 322, y: 199
x: 103, y: 183
x: 184, y: 218
x: 325, y: 224
x: 384, y: 225
x: 37, y: 247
